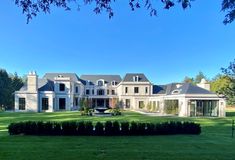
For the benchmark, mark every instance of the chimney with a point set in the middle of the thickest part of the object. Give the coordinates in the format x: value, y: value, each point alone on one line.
x: 204, y: 84
x: 32, y: 81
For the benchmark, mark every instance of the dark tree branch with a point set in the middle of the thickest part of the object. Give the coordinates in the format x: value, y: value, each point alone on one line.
x: 228, y: 6
x: 32, y: 7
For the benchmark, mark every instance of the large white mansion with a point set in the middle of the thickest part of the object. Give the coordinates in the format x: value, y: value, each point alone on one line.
x: 63, y: 91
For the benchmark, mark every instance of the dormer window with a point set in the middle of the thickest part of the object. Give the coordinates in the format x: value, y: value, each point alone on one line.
x: 100, y: 83
x: 178, y: 85
x: 60, y: 76
x: 114, y: 83
x: 136, y: 78
x: 176, y: 91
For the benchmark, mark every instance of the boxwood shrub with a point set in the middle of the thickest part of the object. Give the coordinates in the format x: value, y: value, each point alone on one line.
x: 99, y: 129
x: 82, y: 128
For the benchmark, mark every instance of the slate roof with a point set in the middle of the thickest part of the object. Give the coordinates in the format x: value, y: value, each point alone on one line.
x: 51, y: 76
x: 159, y: 89
x: 185, y: 88
x: 188, y: 88
x: 107, y: 78
x: 43, y: 85
x: 129, y: 77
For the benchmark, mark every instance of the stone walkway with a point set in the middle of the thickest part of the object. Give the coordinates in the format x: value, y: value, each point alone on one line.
x: 154, y: 114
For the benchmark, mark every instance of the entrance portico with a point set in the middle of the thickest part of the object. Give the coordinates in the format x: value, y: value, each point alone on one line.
x: 103, y: 102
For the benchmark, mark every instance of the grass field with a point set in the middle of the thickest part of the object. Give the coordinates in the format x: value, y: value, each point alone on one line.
x: 215, y: 142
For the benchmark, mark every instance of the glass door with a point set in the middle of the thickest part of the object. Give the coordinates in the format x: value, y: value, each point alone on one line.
x: 193, y: 108
x: 199, y: 109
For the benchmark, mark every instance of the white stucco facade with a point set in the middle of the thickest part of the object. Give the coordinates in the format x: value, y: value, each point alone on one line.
x: 63, y: 91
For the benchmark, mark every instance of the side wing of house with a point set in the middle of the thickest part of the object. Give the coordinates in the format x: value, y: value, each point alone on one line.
x: 189, y: 100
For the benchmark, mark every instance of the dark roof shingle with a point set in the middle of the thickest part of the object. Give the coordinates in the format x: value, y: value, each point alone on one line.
x: 107, y: 78
x: 51, y: 76
x: 129, y: 77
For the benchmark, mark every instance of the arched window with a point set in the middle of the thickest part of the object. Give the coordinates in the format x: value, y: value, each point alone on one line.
x: 100, y: 83
x: 176, y: 92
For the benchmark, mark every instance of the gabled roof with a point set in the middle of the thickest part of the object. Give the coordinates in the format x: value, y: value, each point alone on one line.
x: 129, y: 77
x: 107, y: 78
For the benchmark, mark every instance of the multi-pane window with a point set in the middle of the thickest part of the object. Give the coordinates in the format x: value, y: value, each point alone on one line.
x: 45, y: 104
x: 107, y: 92
x: 87, y: 92
x: 126, y: 89
x: 100, y: 92
x: 76, y: 101
x: 136, y: 89
x: 113, y: 92
x: 141, y: 105
x: 62, y: 103
x: 21, y: 103
x: 146, y: 90
x: 62, y: 87
x: 128, y: 103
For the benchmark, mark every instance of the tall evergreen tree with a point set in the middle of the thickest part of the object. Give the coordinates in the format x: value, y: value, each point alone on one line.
x: 199, y: 77
x: 8, y: 85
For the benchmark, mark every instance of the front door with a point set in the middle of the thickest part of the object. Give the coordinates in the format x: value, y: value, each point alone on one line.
x: 62, y: 103
x: 193, y: 108
x: 100, y: 102
x: 199, y: 108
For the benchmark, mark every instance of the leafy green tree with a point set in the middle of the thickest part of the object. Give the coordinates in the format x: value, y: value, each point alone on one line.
x: 229, y: 91
x: 188, y: 80
x: 195, y: 80
x: 199, y: 77
x: 220, y: 84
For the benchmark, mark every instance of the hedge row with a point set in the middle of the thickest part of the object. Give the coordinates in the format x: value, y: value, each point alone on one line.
x: 108, y: 128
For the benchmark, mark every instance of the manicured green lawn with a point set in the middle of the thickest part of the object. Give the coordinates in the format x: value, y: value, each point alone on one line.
x: 214, y: 143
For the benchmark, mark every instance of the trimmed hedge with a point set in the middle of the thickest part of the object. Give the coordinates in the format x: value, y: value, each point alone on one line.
x: 82, y: 128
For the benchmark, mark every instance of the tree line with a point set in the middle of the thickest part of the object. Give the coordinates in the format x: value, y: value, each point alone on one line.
x: 223, y: 83
x: 9, y: 83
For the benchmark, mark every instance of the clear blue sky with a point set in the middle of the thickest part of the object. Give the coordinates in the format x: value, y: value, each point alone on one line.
x: 166, y: 48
